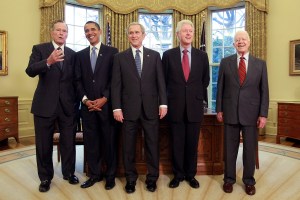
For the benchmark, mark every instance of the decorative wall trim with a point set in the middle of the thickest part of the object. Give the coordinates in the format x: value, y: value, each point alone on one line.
x: 26, y: 126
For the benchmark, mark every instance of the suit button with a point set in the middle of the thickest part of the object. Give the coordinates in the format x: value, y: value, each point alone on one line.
x: 94, y: 81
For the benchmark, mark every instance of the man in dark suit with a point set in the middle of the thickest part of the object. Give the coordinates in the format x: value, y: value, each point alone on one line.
x: 139, y: 95
x: 187, y: 77
x: 54, y: 100
x: 242, y: 103
x: 93, y: 69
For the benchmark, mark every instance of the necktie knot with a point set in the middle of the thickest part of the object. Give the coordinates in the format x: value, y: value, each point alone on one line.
x: 185, y: 51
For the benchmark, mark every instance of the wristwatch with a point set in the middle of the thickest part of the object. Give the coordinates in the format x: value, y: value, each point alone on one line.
x: 84, y: 101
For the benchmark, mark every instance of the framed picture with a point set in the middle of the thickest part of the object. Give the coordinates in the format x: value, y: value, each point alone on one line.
x: 3, y: 53
x: 295, y: 57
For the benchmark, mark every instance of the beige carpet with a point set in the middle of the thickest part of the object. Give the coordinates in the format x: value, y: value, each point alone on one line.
x: 277, y: 178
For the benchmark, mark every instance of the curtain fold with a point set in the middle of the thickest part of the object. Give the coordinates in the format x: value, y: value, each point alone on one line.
x: 197, y: 20
x: 187, y: 7
x: 49, y: 14
x: 118, y: 26
x: 256, y: 26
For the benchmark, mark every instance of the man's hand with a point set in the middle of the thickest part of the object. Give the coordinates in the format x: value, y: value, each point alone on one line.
x: 55, y: 56
x: 162, y: 112
x: 118, y: 115
x: 261, y: 122
x: 99, y: 103
x: 220, y: 116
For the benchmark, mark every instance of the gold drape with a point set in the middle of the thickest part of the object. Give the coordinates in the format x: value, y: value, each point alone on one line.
x: 187, y: 7
x: 118, y: 25
x: 49, y: 14
x: 197, y: 20
x: 256, y: 26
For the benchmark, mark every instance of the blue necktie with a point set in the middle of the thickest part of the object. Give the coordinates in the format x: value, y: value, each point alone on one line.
x: 138, y: 62
x: 93, y: 58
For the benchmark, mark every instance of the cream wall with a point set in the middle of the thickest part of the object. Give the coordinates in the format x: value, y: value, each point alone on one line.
x: 282, y: 26
x: 21, y: 18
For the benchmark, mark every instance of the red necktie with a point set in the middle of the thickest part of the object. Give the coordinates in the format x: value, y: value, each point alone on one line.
x: 185, y: 64
x: 242, y: 70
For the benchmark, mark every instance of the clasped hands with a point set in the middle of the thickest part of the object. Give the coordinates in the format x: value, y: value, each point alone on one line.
x: 96, y: 104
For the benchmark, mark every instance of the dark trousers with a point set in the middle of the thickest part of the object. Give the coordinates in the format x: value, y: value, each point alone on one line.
x: 150, y: 130
x: 44, y: 129
x: 99, y: 143
x: 231, y: 148
x: 184, y: 138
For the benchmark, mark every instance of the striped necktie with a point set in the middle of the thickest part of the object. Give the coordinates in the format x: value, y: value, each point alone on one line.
x: 138, y: 62
x: 242, y: 70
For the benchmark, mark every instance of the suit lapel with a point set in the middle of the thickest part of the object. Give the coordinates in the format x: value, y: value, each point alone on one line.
x: 250, y: 70
x: 131, y: 63
x: 87, y: 59
x: 177, y: 60
x: 99, y: 58
x: 234, y: 68
x: 146, y: 60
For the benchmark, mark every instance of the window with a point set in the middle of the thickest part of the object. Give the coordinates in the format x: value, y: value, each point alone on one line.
x: 159, y: 29
x: 76, y: 17
x: 224, y: 24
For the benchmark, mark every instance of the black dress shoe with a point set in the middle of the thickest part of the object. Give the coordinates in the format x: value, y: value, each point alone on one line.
x: 110, y: 184
x: 44, y: 186
x: 151, y: 185
x: 193, y: 183
x: 228, y: 187
x: 175, y: 182
x: 130, y: 187
x: 250, y: 189
x: 90, y: 182
x: 72, y: 179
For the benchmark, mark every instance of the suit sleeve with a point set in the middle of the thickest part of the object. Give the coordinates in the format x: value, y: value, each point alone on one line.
x: 220, y: 88
x: 116, y: 84
x: 107, y: 92
x: 78, y: 77
x: 37, y: 64
x: 206, y: 77
x: 161, y: 82
x: 264, y: 87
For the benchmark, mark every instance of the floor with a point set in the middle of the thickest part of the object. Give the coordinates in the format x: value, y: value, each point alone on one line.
x: 27, y: 141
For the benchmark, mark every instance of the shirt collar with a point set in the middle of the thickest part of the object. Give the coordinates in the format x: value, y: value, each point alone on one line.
x: 189, y: 49
x: 97, y: 46
x: 134, y: 50
x: 246, y: 56
x: 56, y: 46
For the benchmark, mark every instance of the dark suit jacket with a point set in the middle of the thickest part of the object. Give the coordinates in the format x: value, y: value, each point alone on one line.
x: 186, y: 96
x: 243, y: 104
x: 132, y: 93
x: 94, y: 85
x: 54, y: 84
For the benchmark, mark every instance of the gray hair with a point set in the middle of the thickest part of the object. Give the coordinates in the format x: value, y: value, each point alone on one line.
x: 135, y: 23
x: 243, y: 32
x: 182, y: 22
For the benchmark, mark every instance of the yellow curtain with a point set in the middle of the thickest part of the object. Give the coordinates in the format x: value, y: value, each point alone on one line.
x: 50, y: 12
x: 187, y: 7
x: 118, y: 25
x: 256, y: 25
x: 197, y: 20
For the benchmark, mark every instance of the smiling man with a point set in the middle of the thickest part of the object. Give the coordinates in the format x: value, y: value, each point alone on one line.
x: 187, y: 77
x: 93, y: 70
x: 242, y: 104
x: 139, y: 96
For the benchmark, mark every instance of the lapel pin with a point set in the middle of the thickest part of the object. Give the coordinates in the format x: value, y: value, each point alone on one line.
x: 100, y: 54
